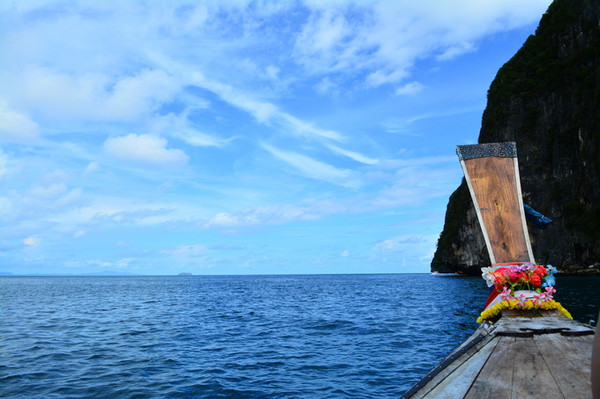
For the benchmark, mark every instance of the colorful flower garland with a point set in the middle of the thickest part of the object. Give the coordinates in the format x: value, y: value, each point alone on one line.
x: 511, y: 281
x: 495, y: 310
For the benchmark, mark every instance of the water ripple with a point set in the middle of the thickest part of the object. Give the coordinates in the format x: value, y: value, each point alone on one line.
x: 359, y: 336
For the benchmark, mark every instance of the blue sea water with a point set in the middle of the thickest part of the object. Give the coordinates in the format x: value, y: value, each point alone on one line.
x: 308, y: 336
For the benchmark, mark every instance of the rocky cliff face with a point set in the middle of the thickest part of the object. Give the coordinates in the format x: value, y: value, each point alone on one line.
x: 547, y: 100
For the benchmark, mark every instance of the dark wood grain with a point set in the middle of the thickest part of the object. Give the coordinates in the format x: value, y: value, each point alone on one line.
x: 495, y: 187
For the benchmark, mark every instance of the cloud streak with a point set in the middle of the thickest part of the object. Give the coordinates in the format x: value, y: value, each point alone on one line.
x: 144, y: 149
x: 312, y: 168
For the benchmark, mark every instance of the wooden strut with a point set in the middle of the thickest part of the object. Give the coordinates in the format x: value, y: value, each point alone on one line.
x: 492, y: 175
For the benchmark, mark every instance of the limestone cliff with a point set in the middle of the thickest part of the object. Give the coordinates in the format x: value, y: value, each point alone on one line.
x: 547, y: 100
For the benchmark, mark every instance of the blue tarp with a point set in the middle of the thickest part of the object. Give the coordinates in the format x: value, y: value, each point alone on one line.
x: 536, y: 218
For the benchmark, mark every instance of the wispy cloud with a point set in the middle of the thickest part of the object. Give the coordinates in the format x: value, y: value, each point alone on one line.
x: 386, y: 40
x: 31, y: 241
x: 17, y: 127
x: 144, y: 149
x: 187, y: 251
x: 312, y: 168
x: 409, y: 89
x: 59, y: 96
x: 264, y: 112
x: 353, y: 155
x: 397, y: 244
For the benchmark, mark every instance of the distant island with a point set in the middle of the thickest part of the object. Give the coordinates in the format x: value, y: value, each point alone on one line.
x: 185, y: 274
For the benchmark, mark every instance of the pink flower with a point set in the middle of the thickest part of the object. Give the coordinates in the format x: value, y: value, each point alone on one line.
x: 506, y: 294
x: 549, y: 292
x: 522, y: 299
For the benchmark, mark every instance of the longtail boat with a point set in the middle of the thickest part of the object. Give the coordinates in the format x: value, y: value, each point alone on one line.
x: 527, y: 345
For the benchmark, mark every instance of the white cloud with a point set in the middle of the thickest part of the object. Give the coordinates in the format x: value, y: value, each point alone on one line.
x: 260, y: 216
x: 144, y: 149
x: 132, y: 96
x: 31, y: 241
x: 187, y: 251
x: 121, y: 263
x: 404, y: 125
x: 312, y: 168
x: 456, y: 50
x: 263, y: 111
x: 353, y: 155
x: 3, y: 164
x: 224, y: 219
x: 199, y: 139
x: 61, y: 96
x: 92, y: 167
x: 389, y: 37
x: 124, y: 262
x: 48, y: 192
x: 16, y: 126
x: 305, y: 128
x: 398, y: 244
x: 409, y: 89
x: 178, y: 126
x: 325, y: 33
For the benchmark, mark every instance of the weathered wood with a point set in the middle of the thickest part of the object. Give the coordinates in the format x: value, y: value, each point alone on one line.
x: 495, y: 379
x: 539, y: 325
x: 569, y: 361
x: 449, y: 364
x: 531, y: 376
x: 464, y: 375
x: 548, y: 364
x: 494, y: 183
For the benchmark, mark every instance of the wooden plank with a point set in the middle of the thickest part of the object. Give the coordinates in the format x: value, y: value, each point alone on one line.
x: 448, y: 365
x: 569, y: 359
x: 531, y: 376
x: 494, y: 182
x: 583, y: 343
x: 539, y: 325
x: 495, y: 379
x: 457, y: 384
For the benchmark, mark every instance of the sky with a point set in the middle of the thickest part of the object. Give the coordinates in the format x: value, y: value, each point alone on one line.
x: 240, y: 137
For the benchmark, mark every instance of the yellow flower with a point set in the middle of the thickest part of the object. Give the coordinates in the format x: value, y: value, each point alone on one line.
x: 529, y: 305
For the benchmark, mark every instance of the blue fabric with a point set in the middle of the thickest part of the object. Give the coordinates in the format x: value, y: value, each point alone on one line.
x: 536, y: 218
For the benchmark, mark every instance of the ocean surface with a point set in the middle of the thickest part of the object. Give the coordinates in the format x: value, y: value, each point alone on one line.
x: 306, y: 336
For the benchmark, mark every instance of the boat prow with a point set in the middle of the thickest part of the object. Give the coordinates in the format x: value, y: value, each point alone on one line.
x: 527, y: 345
x: 518, y: 356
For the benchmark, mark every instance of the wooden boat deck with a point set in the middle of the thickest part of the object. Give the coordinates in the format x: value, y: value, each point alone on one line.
x: 524, y: 354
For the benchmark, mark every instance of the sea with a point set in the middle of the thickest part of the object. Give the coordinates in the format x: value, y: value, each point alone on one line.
x: 287, y: 336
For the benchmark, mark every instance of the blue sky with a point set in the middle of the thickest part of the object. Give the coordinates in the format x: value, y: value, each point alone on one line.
x: 239, y: 137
